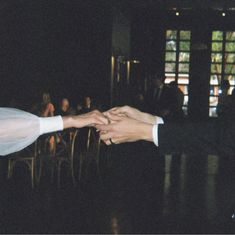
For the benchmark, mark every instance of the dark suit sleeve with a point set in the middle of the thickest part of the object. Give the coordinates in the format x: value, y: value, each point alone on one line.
x: 201, y: 138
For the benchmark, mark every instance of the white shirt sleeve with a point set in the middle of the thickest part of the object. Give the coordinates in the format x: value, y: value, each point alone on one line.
x: 18, y: 129
x: 51, y: 124
x: 159, y: 121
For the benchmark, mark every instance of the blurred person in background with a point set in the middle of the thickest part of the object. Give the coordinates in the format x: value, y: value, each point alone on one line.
x: 88, y: 106
x: 78, y: 108
x: 47, y: 108
x: 65, y: 108
x: 223, y: 103
x: 177, y: 101
x: 158, y: 97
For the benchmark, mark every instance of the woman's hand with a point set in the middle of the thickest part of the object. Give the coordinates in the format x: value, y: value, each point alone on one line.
x: 132, y: 113
x: 124, y: 129
x: 92, y: 118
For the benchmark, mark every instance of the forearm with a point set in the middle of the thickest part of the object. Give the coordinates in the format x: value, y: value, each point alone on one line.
x: 74, y: 121
x: 18, y: 128
x: 57, y: 123
x: 68, y: 122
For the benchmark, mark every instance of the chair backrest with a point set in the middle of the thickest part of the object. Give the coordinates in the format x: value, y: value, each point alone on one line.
x: 43, y: 145
x: 72, y: 143
x: 93, y: 141
x: 66, y: 147
x: 31, y: 151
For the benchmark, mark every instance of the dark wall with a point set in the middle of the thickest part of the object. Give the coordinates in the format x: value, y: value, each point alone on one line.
x: 60, y: 46
x: 148, y: 45
x: 121, y: 28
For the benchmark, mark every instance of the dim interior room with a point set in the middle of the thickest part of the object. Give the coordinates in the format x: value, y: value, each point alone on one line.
x: 99, y: 54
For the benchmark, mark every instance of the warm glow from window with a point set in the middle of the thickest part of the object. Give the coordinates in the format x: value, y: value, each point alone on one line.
x: 177, y: 60
x: 222, y: 65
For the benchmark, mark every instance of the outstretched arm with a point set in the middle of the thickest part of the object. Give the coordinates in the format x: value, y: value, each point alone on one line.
x: 129, y: 125
x: 18, y: 128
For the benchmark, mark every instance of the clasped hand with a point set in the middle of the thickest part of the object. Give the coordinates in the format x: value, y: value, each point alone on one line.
x: 126, y: 124
x: 119, y: 124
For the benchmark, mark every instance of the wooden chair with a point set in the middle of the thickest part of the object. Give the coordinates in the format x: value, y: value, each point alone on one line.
x: 64, y: 154
x: 92, y: 151
x: 46, y: 152
x: 29, y: 156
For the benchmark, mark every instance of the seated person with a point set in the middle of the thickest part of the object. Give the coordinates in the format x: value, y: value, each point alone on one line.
x: 87, y: 107
x: 78, y: 108
x: 65, y: 108
x: 47, y: 108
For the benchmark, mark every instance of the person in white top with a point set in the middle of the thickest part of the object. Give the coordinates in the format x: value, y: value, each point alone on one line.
x: 18, y: 128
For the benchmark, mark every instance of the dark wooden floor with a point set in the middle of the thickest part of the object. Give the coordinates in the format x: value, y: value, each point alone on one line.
x: 137, y: 192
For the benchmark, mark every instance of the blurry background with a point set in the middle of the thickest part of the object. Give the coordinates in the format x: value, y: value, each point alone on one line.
x: 110, y: 49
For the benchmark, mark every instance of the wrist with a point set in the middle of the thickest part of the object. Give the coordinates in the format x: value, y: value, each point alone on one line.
x: 146, y: 132
x: 148, y: 118
x: 68, y: 122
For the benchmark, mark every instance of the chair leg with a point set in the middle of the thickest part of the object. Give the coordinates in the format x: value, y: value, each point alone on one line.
x: 39, y: 171
x: 52, y: 171
x: 80, y: 166
x: 9, y: 173
x: 98, y: 166
x: 58, y: 175
x: 32, y: 172
x: 72, y: 174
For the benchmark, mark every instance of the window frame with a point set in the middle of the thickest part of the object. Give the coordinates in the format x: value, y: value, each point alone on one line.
x: 222, y: 74
x: 177, y: 74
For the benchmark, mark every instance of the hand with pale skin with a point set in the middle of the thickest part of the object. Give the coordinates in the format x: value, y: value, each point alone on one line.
x: 19, y: 129
x: 85, y: 120
x: 132, y: 113
x: 124, y: 129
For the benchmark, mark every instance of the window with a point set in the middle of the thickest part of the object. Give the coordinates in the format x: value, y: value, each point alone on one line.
x: 177, y: 59
x: 222, y: 65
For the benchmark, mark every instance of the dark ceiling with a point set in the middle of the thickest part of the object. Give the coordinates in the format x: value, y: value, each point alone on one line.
x: 183, y: 4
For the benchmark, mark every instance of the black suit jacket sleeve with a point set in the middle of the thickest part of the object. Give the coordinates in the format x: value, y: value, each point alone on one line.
x: 197, y: 138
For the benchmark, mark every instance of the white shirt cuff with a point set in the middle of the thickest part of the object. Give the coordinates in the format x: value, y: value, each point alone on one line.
x: 51, y: 124
x: 159, y: 120
x: 155, y: 134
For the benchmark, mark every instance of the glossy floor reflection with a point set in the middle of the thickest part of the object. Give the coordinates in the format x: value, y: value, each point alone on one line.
x: 138, y: 191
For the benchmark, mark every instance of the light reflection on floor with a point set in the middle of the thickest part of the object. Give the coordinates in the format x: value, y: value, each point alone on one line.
x: 138, y: 192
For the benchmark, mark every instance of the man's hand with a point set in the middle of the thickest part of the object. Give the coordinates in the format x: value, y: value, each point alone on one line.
x: 132, y: 113
x: 124, y: 129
